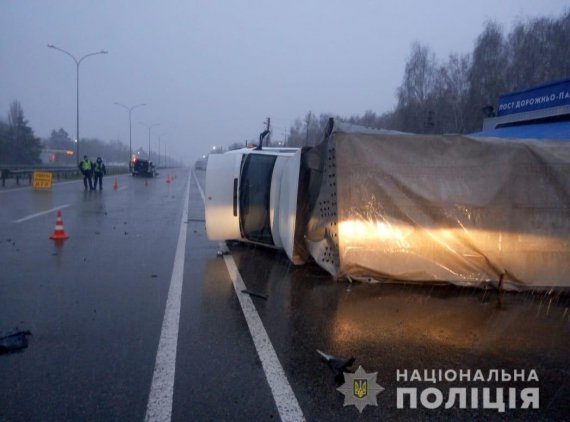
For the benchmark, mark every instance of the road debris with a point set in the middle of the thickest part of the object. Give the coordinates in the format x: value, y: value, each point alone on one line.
x: 254, y: 294
x: 14, y: 341
x: 337, y: 366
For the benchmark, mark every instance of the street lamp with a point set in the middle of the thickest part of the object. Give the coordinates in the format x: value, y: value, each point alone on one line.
x: 149, y: 128
x: 159, y: 150
x: 77, y: 63
x: 130, y: 110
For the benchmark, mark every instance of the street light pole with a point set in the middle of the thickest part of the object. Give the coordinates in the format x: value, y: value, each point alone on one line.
x: 130, y: 110
x: 159, y: 136
x: 149, y: 128
x: 77, y: 63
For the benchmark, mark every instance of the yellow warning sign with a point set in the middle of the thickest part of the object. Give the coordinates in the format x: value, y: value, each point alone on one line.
x: 41, y: 180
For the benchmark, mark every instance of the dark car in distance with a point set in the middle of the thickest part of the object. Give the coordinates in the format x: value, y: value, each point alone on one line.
x: 143, y: 168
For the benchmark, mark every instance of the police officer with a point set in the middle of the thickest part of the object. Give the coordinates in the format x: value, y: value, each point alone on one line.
x: 86, y: 168
x: 99, y: 170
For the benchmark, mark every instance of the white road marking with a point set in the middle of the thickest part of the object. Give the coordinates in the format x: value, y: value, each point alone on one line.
x: 39, y: 214
x: 159, y: 407
x: 285, y: 400
x: 121, y: 188
x: 199, y: 187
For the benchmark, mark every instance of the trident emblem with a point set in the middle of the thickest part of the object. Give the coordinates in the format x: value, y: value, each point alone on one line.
x: 359, y: 387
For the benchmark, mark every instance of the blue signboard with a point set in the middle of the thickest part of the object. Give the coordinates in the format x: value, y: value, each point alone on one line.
x: 554, y: 94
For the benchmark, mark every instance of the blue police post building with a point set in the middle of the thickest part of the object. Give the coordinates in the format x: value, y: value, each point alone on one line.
x: 542, y: 112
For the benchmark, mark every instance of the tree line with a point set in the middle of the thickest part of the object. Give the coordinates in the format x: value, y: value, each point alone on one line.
x: 19, y: 145
x: 449, y: 95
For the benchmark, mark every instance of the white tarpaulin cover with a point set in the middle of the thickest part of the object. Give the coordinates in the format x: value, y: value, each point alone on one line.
x: 441, y: 209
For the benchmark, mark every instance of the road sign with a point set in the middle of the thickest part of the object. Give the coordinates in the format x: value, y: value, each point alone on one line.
x: 41, y: 180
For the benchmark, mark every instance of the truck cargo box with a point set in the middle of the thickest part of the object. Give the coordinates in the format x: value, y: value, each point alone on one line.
x: 423, y: 208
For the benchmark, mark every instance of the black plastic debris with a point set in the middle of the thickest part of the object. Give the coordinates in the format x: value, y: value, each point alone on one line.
x: 337, y: 366
x: 254, y: 294
x: 14, y: 342
x: 154, y: 276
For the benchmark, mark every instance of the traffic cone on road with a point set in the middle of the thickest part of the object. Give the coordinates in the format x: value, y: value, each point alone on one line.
x: 168, y: 179
x: 59, y: 232
x: 116, y: 184
x: 146, y: 183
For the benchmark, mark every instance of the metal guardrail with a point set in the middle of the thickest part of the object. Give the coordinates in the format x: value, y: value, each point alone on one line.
x: 63, y: 172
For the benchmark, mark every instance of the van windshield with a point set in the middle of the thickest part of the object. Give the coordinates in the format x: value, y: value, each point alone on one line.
x: 254, y: 191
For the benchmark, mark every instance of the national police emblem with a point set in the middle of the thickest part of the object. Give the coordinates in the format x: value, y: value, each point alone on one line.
x: 360, y: 389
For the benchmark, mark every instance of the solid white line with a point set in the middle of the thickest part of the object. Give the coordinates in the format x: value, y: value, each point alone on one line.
x: 39, y: 214
x: 159, y: 407
x: 199, y: 187
x: 285, y: 400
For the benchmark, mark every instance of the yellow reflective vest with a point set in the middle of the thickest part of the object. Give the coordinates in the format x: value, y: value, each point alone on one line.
x: 86, y: 165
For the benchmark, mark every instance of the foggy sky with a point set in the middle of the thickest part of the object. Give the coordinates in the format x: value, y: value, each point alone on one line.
x: 211, y: 72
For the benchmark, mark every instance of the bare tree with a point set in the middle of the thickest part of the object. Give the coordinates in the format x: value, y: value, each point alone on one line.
x: 414, y: 111
x: 487, y: 76
x: 449, y: 96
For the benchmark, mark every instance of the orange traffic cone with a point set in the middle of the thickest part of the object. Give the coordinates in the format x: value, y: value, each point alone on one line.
x: 116, y: 184
x: 59, y: 232
x: 146, y: 183
x: 168, y: 179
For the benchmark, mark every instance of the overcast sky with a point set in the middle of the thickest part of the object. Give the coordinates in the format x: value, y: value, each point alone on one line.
x: 211, y: 71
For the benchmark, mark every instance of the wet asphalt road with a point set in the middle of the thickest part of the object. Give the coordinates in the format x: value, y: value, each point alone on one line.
x: 95, y: 306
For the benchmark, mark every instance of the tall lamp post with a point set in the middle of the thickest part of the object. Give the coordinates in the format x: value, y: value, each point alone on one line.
x: 149, y: 128
x: 130, y: 110
x: 159, y: 136
x: 77, y: 63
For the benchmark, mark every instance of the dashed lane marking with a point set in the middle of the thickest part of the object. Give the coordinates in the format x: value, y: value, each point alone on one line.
x: 199, y: 187
x: 285, y: 400
x: 39, y: 214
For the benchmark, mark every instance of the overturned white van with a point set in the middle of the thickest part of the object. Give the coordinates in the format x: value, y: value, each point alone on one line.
x: 383, y: 206
x: 251, y: 196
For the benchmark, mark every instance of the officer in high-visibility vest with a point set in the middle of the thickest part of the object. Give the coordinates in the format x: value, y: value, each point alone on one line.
x: 99, y: 170
x: 86, y: 168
